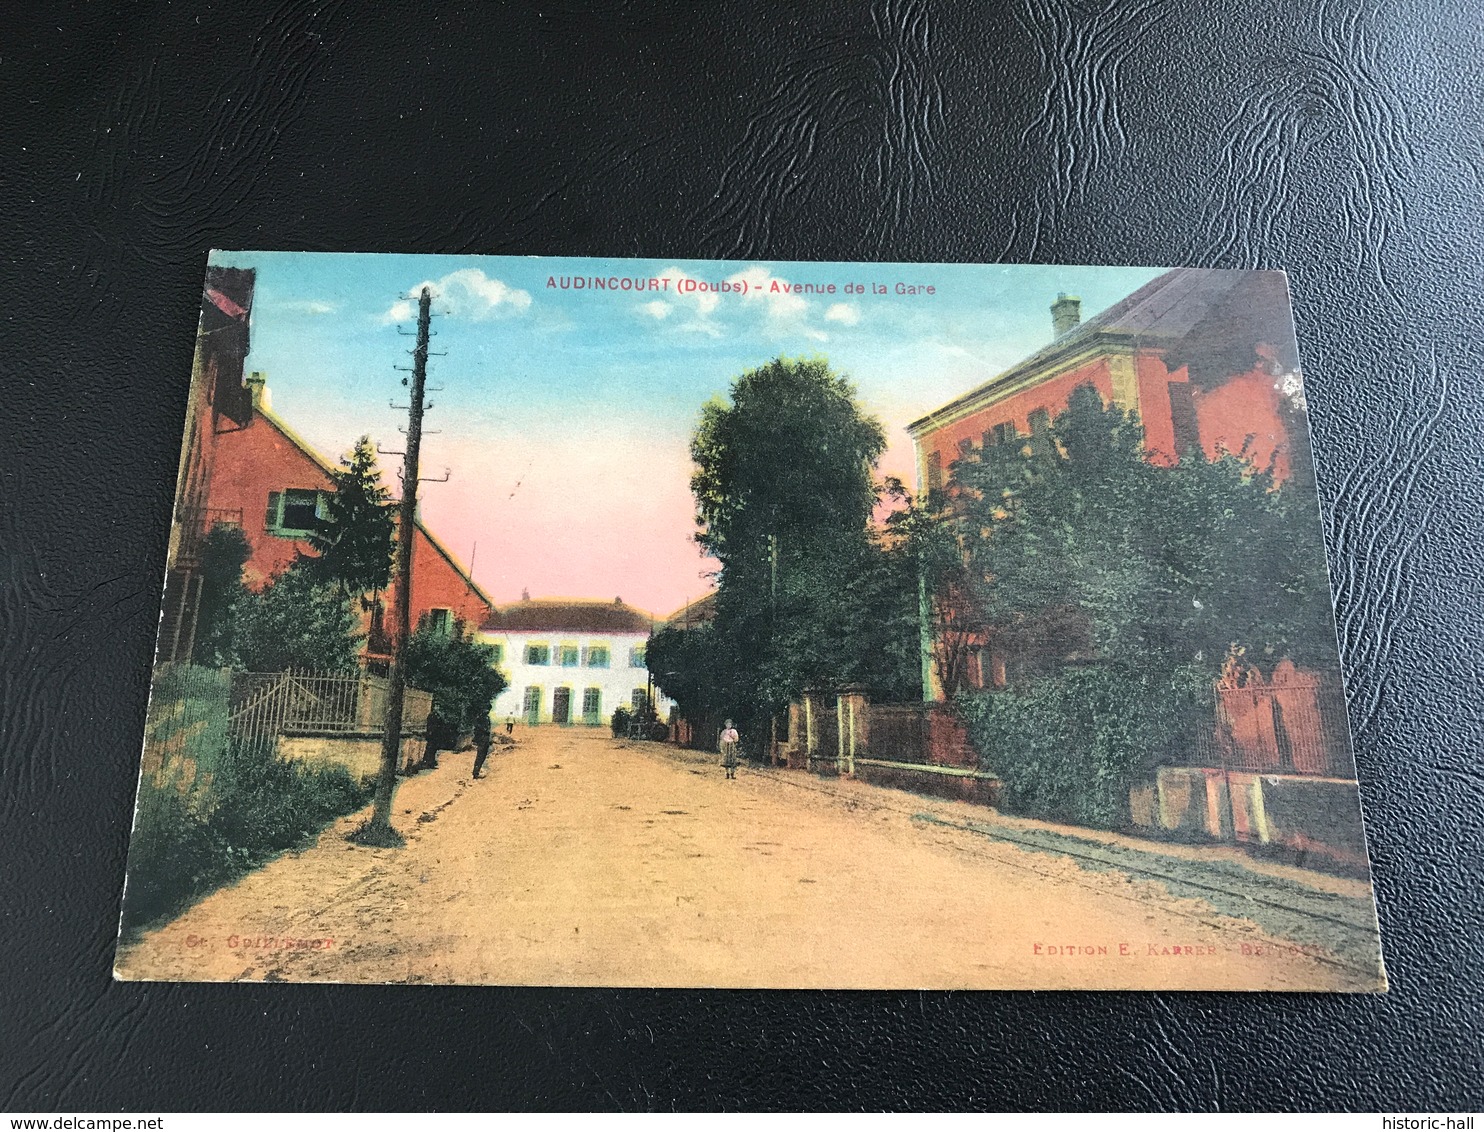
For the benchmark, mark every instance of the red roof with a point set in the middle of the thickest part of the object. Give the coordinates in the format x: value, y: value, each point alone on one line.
x: 227, y: 306
x: 1164, y: 311
x: 697, y: 612
x: 569, y: 615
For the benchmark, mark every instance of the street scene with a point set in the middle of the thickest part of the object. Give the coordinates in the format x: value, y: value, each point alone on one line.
x: 645, y: 623
x: 587, y: 861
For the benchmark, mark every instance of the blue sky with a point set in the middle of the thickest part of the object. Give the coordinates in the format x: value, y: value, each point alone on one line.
x: 565, y: 415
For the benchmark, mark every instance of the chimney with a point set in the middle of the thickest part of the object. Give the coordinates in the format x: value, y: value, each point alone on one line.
x: 1066, y: 313
x: 525, y: 595
x: 257, y: 387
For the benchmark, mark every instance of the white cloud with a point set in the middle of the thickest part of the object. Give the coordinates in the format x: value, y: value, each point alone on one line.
x: 846, y: 313
x: 704, y: 302
x: 782, y: 306
x: 786, y: 311
x: 309, y: 306
x: 698, y: 306
x: 468, y: 293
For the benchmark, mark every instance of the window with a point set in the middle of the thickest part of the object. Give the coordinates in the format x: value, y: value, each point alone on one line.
x: 935, y: 471
x: 1187, y: 426
x: 294, y: 513
x: 1040, y: 422
x: 533, y: 704
x: 597, y: 656
x: 538, y: 654
x: 1000, y: 434
x: 300, y: 510
x: 592, y: 706
x: 440, y: 621
x: 639, y: 700
x: 497, y: 654
x: 636, y: 657
x: 569, y: 656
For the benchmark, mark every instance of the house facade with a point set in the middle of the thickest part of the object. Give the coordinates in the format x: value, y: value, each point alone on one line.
x: 1208, y: 362
x: 270, y: 482
x: 219, y: 402
x: 571, y: 662
x: 1206, y: 359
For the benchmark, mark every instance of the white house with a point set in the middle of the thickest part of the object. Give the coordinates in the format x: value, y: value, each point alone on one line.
x: 570, y: 660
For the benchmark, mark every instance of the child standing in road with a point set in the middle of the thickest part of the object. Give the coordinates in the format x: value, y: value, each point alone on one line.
x: 729, y: 744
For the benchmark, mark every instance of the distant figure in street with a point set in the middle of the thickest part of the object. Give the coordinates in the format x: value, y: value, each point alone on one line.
x: 481, y: 741
x: 510, y: 725
x: 729, y: 743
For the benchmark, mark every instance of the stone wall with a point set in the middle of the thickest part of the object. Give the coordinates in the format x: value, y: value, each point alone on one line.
x: 1317, y: 820
x: 964, y: 786
x: 358, y: 753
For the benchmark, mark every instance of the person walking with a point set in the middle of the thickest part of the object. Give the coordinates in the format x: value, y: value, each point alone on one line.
x: 481, y: 742
x: 730, y: 741
x: 510, y: 725
x: 442, y: 735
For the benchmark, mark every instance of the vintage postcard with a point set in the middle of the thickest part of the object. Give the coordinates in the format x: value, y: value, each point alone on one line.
x: 668, y: 623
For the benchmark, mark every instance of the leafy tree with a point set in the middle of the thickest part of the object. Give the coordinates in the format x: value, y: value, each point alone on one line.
x: 353, y: 540
x: 789, y: 458
x: 848, y: 615
x: 946, y: 608
x: 223, y: 555
x: 694, y: 667
x: 1076, y: 544
x: 296, y: 621
x: 1167, y: 565
x: 457, y: 669
x: 807, y: 593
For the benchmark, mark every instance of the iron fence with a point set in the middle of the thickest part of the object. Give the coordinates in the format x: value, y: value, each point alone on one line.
x: 899, y: 732
x: 267, y: 704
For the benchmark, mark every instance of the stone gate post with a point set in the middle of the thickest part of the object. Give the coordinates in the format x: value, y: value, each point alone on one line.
x: 855, y: 726
x: 793, y: 749
x: 815, y: 705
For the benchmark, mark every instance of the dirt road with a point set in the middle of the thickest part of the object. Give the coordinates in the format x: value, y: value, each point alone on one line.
x: 579, y: 860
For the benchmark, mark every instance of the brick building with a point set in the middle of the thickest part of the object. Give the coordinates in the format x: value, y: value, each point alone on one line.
x: 272, y: 483
x: 1206, y: 359
x: 218, y: 402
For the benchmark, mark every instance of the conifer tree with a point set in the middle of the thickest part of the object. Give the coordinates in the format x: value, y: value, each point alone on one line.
x: 353, y: 540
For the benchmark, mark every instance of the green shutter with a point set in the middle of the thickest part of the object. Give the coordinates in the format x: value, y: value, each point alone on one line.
x: 270, y: 518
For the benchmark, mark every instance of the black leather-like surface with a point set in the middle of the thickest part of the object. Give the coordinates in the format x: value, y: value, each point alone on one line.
x: 1341, y: 142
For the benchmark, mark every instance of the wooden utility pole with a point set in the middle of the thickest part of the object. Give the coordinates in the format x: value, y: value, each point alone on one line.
x: 378, y: 830
x: 773, y: 636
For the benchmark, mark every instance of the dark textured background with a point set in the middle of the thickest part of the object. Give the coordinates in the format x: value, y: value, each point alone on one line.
x: 1338, y: 141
